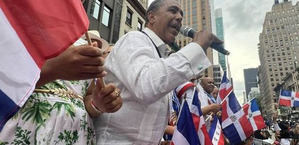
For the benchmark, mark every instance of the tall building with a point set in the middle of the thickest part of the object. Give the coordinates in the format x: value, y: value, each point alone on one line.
x: 278, y: 50
x: 133, y: 16
x: 220, y: 35
x: 104, y: 16
x: 250, y: 78
x: 197, y: 15
x: 217, y: 75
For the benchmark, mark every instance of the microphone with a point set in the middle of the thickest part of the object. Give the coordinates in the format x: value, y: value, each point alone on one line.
x: 189, y: 32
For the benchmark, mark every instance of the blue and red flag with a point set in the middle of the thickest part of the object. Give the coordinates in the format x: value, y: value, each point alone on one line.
x: 199, y: 121
x: 215, y: 132
x: 31, y: 32
x: 254, y: 115
x: 289, y: 98
x: 235, y: 124
x: 185, y: 132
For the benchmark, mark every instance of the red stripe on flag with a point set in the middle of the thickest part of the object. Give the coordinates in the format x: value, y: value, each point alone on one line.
x: 246, y: 125
x: 196, y: 120
x: 206, y: 134
x: 284, y: 102
x: 259, y: 121
x: 223, y: 92
x: 246, y: 108
x: 297, y: 94
x: 221, y: 139
x: 46, y: 27
x: 224, y: 113
x: 184, y: 89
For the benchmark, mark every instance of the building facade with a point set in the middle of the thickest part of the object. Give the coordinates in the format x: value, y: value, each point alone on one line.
x: 220, y: 35
x: 278, y: 50
x: 250, y: 79
x: 197, y: 14
x: 217, y: 75
x: 133, y: 16
x: 104, y: 16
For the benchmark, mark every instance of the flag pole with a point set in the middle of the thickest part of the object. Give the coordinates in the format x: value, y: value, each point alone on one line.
x: 90, y: 43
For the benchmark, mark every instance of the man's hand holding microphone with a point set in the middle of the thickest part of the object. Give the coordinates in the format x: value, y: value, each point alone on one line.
x: 205, y: 39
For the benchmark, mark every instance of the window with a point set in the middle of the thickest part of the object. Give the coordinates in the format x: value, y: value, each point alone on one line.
x: 129, y: 17
x: 106, y: 16
x: 139, y: 26
x: 95, y: 9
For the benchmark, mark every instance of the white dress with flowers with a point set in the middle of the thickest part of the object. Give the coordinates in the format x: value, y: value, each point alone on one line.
x: 51, y: 119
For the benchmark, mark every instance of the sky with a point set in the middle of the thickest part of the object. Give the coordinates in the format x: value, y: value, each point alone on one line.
x: 243, y: 22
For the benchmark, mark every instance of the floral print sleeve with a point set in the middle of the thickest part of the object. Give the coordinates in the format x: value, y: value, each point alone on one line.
x: 52, y: 119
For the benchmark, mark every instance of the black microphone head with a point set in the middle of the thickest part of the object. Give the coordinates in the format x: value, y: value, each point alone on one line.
x: 187, y: 31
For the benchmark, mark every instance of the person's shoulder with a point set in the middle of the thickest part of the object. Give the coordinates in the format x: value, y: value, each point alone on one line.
x: 135, y: 34
x: 133, y: 37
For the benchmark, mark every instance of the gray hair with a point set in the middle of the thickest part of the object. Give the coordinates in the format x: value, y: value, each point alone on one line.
x: 154, y: 6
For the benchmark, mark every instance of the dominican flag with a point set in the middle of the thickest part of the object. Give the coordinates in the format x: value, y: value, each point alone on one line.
x: 254, y: 115
x: 216, y: 133
x: 199, y: 121
x: 185, y: 132
x: 225, y: 89
x: 235, y: 124
x: 31, y: 32
x: 296, y: 99
x: 289, y: 98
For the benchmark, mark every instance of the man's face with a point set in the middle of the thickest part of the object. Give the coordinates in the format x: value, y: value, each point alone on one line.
x: 215, y: 92
x: 166, y: 21
x: 207, y: 84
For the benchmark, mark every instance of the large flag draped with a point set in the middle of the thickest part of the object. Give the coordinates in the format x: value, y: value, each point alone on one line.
x: 185, y: 132
x: 31, y: 32
x: 289, y: 98
x: 235, y: 124
x: 254, y: 115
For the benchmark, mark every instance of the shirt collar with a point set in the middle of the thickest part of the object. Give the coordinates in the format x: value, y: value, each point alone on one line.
x: 156, y: 39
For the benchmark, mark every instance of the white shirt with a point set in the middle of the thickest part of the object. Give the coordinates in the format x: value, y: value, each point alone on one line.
x: 144, y: 79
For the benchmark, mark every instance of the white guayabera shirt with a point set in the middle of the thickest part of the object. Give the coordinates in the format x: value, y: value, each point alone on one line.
x: 144, y: 79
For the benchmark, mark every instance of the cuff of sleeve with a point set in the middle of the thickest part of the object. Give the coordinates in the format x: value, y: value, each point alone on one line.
x: 197, y: 57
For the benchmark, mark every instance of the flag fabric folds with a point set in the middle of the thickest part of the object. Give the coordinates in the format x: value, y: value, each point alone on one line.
x: 254, y: 115
x: 235, y: 124
x: 31, y: 32
x: 215, y: 132
x: 224, y: 89
x: 185, y: 132
x: 199, y: 121
x: 289, y: 98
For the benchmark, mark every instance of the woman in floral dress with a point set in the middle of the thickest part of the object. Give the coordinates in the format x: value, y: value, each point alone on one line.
x: 56, y: 113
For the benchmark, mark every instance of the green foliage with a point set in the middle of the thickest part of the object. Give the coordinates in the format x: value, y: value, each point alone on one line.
x: 3, y: 143
x: 68, y: 107
x: 68, y: 137
x: 21, y: 137
x: 38, y: 112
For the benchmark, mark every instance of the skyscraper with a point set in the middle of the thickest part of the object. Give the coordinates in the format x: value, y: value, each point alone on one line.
x: 250, y: 78
x: 278, y: 50
x: 220, y: 35
x: 198, y: 16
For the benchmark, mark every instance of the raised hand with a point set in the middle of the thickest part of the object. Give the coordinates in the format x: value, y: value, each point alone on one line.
x: 75, y: 63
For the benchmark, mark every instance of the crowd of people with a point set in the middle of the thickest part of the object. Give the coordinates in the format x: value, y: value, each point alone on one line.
x: 93, y: 94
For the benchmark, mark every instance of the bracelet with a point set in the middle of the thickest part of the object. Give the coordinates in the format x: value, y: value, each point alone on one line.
x: 96, y: 108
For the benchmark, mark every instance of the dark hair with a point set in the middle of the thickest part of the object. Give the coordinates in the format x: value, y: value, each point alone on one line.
x: 154, y: 6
